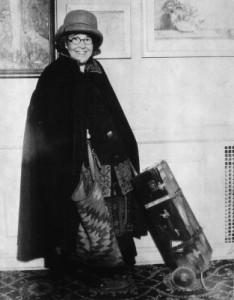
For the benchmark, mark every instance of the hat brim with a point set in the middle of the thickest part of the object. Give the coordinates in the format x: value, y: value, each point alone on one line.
x: 79, y: 28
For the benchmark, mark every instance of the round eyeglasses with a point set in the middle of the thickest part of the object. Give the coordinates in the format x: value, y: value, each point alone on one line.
x: 75, y: 40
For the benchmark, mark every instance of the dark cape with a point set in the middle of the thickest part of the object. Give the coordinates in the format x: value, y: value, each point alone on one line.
x: 53, y: 151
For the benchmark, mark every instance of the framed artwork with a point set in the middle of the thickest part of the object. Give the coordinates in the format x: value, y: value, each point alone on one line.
x: 174, y: 28
x: 113, y: 18
x: 26, y: 31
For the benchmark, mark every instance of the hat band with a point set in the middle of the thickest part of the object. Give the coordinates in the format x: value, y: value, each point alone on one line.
x: 79, y: 26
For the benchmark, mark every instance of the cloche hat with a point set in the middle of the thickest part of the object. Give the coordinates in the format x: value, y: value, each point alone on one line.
x: 81, y: 21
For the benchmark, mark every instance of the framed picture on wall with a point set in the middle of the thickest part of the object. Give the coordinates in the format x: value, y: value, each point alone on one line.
x: 174, y: 28
x: 113, y: 18
x: 26, y: 30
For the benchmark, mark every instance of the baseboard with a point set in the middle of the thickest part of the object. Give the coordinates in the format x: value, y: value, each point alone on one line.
x: 11, y: 263
x: 150, y: 255
x: 146, y: 256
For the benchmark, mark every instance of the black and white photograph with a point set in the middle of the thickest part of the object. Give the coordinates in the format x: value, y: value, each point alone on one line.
x: 116, y: 150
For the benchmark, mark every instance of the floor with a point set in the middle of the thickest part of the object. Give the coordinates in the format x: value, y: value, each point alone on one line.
x: 149, y: 282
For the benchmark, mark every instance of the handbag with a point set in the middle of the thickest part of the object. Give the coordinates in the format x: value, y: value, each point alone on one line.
x: 96, y: 243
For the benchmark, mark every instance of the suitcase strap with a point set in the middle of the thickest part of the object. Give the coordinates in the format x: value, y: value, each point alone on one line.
x: 158, y: 201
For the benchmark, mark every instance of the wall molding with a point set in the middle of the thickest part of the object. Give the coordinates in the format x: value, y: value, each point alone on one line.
x: 151, y: 255
x: 146, y: 256
x: 198, y: 134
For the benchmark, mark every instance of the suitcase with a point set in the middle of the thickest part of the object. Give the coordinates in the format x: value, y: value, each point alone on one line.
x: 172, y: 224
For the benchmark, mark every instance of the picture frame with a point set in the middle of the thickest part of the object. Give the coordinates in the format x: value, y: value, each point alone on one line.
x: 26, y: 36
x: 181, y: 28
x: 114, y: 21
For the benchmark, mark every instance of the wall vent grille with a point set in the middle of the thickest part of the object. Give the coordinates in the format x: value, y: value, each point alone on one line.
x: 229, y: 194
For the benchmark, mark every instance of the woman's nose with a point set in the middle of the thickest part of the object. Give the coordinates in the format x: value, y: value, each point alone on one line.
x: 82, y: 44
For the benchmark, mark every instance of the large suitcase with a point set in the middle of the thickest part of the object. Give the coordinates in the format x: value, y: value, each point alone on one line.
x: 172, y: 224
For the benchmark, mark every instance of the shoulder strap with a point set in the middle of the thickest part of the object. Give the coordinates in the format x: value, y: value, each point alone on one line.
x: 92, y: 158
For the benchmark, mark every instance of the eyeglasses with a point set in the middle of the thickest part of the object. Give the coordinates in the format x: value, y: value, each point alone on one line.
x: 77, y: 40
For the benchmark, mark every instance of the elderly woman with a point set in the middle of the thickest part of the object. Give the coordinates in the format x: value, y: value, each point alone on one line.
x: 72, y: 95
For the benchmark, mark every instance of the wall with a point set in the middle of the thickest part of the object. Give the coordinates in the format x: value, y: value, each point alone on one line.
x: 180, y: 110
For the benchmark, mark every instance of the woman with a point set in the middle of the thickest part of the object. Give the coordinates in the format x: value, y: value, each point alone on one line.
x: 73, y: 94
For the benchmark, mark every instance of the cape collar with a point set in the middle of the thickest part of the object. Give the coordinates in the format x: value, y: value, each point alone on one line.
x: 91, y: 66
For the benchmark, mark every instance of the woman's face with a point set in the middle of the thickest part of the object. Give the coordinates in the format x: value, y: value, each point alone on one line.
x: 80, y: 47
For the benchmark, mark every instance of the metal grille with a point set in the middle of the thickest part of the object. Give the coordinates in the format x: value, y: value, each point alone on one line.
x: 229, y: 194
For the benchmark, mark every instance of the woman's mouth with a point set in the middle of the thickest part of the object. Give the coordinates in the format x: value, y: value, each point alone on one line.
x: 81, y: 53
